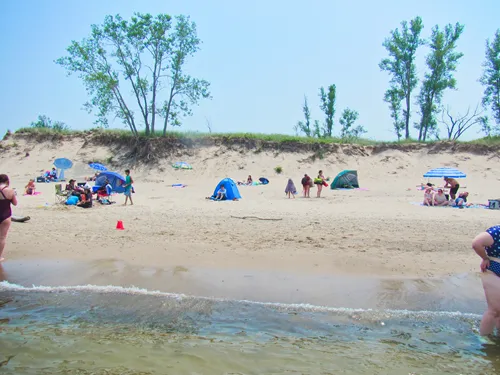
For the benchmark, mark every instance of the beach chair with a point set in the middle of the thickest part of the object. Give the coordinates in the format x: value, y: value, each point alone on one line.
x: 61, y: 195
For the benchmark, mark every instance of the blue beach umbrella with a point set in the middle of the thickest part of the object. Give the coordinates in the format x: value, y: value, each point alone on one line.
x: 445, y: 172
x: 62, y: 164
x: 98, y: 167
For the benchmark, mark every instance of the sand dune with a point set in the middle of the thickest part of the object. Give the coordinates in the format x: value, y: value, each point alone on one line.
x: 376, y: 232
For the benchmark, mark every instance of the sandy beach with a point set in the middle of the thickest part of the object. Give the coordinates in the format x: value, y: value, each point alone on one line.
x: 375, y: 232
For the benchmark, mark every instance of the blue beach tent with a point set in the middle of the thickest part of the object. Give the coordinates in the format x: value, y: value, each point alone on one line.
x: 232, y: 191
x: 115, y: 180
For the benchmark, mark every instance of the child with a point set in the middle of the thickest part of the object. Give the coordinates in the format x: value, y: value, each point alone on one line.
x: 221, y: 194
x: 30, y: 188
x: 290, y: 189
x: 128, y: 187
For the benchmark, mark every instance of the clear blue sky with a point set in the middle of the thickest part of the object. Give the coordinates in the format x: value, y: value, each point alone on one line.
x: 261, y: 57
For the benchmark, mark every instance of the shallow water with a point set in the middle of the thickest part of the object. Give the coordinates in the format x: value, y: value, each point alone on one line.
x: 87, y: 329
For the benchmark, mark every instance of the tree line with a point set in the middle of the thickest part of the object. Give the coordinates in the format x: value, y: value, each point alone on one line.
x: 135, y: 70
x: 347, y: 121
x: 441, y: 63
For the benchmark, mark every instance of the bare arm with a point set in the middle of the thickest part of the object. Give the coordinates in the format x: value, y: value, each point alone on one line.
x: 14, y: 197
x: 480, y: 243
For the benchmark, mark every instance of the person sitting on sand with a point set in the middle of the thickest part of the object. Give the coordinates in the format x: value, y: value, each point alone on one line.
x: 290, y: 189
x: 221, y: 193
x: 306, y: 185
x: 453, y: 185
x: 429, y: 196
x: 249, y: 180
x: 440, y: 199
x: 52, y: 175
x: 85, y: 199
x: 30, y: 188
x: 74, y: 189
x: 461, y: 200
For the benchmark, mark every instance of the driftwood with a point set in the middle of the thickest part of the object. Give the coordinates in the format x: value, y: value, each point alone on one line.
x: 254, y: 217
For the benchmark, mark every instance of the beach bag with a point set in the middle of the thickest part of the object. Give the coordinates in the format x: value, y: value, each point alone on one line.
x: 72, y: 201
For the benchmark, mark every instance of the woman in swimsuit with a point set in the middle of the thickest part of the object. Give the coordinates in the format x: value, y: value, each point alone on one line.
x: 429, y: 196
x: 487, y: 246
x: 440, y: 199
x: 319, y: 181
x: 7, y: 197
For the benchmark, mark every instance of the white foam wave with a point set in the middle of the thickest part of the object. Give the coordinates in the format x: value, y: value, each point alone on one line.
x: 113, y: 289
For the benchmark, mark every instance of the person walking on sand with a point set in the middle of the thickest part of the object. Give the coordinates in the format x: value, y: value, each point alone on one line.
x: 306, y: 185
x: 319, y: 181
x: 453, y: 185
x: 128, y: 187
x: 487, y: 246
x: 7, y: 197
x: 290, y: 189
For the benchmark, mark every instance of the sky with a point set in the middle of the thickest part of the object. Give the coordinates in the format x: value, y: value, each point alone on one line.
x: 261, y: 58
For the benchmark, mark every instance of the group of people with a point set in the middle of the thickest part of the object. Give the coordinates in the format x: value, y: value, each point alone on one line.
x: 307, y: 183
x: 433, y: 197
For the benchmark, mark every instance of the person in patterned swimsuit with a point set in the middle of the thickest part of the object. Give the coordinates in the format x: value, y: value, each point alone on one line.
x: 487, y: 246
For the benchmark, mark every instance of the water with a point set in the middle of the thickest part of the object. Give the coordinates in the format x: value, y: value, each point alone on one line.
x: 99, y: 329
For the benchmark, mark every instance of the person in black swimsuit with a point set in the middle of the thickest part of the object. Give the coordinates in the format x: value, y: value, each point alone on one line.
x: 7, y: 197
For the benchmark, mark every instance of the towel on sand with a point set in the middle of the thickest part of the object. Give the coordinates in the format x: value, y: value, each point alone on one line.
x: 290, y: 187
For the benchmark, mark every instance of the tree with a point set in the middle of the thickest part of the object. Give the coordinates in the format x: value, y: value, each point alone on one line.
x: 457, y: 125
x: 394, y: 97
x: 149, y: 54
x: 442, y: 62
x: 347, y: 120
x: 305, y: 126
x: 44, y: 122
x: 491, y: 76
x: 328, y: 107
x: 402, y: 47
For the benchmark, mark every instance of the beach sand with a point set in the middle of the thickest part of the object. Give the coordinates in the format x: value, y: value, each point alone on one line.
x: 372, y: 232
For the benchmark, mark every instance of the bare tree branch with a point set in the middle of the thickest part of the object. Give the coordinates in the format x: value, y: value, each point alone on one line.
x: 457, y: 125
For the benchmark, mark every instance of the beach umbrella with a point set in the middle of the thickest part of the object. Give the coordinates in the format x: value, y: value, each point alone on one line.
x: 98, y: 167
x: 181, y: 165
x: 62, y: 164
x: 445, y: 172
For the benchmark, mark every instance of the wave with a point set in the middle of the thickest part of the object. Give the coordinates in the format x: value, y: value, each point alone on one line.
x: 303, y: 307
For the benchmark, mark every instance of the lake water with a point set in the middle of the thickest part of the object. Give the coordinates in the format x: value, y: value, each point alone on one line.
x: 102, y: 329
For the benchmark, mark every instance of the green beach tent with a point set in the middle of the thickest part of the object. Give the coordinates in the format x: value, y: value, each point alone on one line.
x: 345, y: 180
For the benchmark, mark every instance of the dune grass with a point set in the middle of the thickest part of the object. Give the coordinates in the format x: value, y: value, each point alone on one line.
x: 277, y: 138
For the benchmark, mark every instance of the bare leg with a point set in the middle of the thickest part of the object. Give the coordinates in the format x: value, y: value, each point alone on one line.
x: 320, y: 187
x: 4, y: 229
x: 491, y: 285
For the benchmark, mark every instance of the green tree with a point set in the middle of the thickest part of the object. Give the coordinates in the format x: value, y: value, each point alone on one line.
x: 442, y: 63
x: 348, y: 130
x: 394, y: 98
x: 305, y: 126
x: 147, y: 54
x: 44, y: 122
x: 491, y: 76
x: 402, y: 48
x: 328, y: 107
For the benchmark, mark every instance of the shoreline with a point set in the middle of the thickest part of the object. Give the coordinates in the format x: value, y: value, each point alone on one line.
x: 457, y: 293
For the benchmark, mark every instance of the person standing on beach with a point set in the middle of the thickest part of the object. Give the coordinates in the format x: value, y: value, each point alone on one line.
x: 319, y: 181
x: 453, y: 185
x: 487, y: 246
x: 7, y: 197
x: 306, y: 185
x: 128, y: 187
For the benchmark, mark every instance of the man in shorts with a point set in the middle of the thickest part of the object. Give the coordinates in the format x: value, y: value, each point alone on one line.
x: 453, y: 185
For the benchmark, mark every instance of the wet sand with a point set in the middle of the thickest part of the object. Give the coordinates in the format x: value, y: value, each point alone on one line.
x: 455, y: 293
